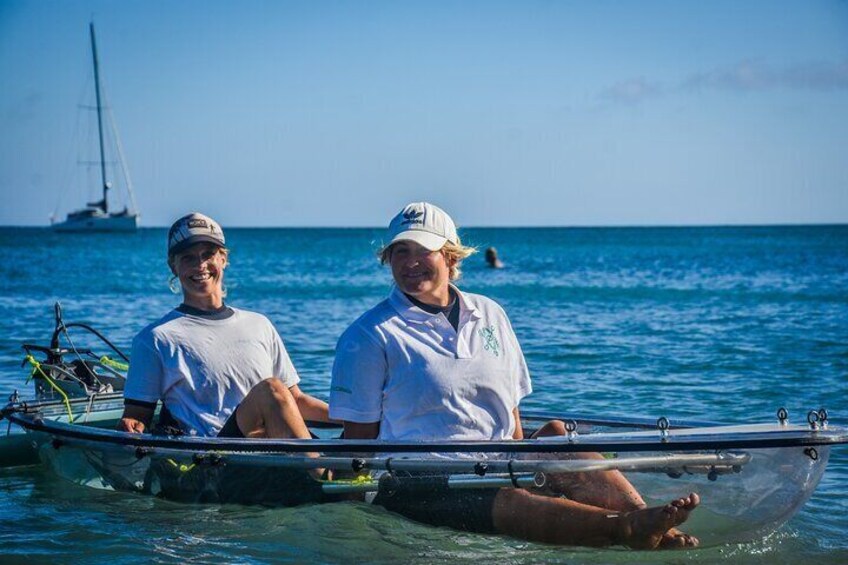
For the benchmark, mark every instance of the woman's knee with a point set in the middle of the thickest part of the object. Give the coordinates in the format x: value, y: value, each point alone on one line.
x: 551, y: 428
x: 274, y: 390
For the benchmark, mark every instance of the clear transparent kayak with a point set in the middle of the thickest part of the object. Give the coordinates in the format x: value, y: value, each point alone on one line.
x: 751, y: 478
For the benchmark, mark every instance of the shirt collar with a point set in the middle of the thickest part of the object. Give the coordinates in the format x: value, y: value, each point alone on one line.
x: 412, y: 313
x: 221, y: 313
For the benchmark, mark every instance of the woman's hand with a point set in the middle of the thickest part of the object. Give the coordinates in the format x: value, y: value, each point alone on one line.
x: 131, y: 425
x: 135, y: 418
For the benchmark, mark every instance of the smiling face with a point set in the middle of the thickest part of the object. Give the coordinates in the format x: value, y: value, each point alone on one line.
x: 200, y: 269
x: 421, y: 273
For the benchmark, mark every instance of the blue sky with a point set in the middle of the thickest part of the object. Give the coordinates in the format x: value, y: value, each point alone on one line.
x: 504, y: 113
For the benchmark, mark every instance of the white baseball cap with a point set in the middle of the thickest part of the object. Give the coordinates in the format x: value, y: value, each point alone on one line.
x: 194, y: 228
x: 425, y: 224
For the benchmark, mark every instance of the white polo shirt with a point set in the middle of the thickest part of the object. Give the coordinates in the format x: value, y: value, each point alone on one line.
x: 422, y: 380
x: 202, y: 368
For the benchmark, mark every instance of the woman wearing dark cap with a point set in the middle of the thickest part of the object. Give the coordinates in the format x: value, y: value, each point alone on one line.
x: 218, y: 370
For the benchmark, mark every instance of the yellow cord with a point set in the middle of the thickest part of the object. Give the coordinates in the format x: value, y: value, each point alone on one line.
x: 36, y: 366
x: 181, y: 466
x: 115, y: 364
x: 358, y: 480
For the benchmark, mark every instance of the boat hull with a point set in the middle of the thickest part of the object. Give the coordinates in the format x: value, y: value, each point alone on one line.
x: 735, y: 507
x: 105, y: 223
x: 751, y: 479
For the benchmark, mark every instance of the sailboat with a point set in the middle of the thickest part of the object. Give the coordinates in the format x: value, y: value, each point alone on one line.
x: 97, y: 216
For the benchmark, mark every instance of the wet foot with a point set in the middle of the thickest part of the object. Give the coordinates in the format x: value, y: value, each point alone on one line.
x: 653, y: 528
x: 675, y: 539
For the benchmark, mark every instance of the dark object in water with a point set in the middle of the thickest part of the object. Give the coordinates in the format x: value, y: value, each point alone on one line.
x: 492, y: 258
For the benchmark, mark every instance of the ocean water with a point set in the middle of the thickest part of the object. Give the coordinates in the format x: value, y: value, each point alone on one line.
x: 725, y: 324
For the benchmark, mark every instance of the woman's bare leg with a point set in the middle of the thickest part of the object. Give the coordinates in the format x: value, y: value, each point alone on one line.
x: 604, y: 489
x: 270, y: 411
x: 521, y: 514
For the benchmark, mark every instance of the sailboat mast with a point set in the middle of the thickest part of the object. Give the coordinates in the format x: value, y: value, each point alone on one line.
x: 99, y: 116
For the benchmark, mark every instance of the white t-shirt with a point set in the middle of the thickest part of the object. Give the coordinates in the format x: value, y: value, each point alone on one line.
x: 202, y: 368
x: 422, y: 380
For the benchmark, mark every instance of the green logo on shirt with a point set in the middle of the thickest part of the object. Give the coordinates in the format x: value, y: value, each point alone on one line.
x: 492, y: 344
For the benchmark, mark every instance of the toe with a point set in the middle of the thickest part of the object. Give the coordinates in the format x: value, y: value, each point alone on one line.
x: 692, y: 541
x: 670, y: 508
x: 670, y: 541
x: 694, y: 499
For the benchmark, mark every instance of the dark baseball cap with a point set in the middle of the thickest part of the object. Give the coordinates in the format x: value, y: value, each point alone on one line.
x: 194, y: 228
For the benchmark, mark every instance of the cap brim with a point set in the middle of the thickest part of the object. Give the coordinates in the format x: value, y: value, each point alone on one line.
x: 186, y: 243
x: 425, y: 239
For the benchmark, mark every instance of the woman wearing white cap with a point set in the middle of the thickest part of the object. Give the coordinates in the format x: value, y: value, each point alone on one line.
x: 433, y: 363
x: 219, y: 371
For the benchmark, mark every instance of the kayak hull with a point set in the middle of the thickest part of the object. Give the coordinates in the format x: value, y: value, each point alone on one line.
x: 751, y: 479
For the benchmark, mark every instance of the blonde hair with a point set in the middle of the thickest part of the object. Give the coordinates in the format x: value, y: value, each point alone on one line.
x: 453, y: 253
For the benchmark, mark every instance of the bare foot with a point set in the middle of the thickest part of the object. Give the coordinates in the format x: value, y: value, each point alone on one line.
x: 647, y: 528
x: 675, y: 539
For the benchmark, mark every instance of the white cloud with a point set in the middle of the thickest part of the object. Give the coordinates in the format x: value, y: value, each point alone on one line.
x: 750, y: 75
x: 745, y: 76
x: 631, y: 91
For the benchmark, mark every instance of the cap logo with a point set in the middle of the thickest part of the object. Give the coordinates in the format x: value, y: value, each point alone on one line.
x: 191, y: 229
x: 412, y: 217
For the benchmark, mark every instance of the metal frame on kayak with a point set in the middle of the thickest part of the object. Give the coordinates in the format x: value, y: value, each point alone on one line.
x: 45, y: 417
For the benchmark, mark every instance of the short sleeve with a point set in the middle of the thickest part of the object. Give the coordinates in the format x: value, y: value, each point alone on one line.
x: 283, y: 366
x: 520, y: 372
x: 359, y: 375
x: 146, y: 373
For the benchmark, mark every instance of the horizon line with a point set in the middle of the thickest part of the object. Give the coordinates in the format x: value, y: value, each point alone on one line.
x: 499, y: 226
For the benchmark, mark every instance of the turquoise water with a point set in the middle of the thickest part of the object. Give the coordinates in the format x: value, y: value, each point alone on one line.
x: 711, y: 323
